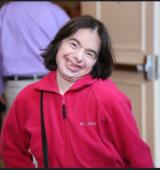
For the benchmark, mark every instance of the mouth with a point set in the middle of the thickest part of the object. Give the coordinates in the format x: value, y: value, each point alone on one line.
x: 73, y: 66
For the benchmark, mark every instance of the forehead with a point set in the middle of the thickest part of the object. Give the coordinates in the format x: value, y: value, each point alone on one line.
x: 87, y: 37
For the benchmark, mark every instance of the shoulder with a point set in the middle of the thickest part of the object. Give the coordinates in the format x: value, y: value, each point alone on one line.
x: 27, y: 94
x: 24, y: 104
x: 32, y: 91
x: 107, y: 90
x: 114, y: 102
x: 25, y: 101
x: 110, y: 97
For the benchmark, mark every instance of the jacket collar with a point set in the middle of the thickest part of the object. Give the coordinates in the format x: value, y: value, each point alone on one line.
x: 49, y: 83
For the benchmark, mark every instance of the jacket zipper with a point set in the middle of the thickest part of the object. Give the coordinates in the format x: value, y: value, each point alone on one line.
x: 64, y: 115
x: 64, y: 112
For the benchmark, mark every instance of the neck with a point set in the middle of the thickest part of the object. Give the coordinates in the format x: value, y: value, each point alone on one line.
x: 63, y: 84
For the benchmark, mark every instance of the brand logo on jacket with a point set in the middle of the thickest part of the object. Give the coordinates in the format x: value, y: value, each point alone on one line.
x: 88, y: 123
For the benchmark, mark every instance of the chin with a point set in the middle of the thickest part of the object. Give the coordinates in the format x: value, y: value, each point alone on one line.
x: 73, y: 79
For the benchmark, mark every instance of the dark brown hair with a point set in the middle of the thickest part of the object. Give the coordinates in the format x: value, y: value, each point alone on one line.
x: 104, y: 65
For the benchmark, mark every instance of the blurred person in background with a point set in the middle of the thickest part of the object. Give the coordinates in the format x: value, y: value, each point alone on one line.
x: 25, y: 29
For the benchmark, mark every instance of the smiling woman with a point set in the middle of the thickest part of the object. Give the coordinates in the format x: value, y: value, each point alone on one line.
x: 76, y: 57
x: 101, y: 47
x: 75, y: 116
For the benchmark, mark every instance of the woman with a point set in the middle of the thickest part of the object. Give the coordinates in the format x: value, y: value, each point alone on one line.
x: 75, y: 116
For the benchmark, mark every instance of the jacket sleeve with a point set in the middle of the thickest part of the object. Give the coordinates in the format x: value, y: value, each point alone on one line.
x: 14, y: 143
x: 135, y: 150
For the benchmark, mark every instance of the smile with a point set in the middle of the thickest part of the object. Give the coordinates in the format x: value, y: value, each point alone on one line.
x: 74, y: 67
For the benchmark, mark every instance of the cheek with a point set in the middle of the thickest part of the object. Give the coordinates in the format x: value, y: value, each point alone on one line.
x: 60, y: 54
x: 91, y: 64
x: 57, y: 59
x: 63, y: 53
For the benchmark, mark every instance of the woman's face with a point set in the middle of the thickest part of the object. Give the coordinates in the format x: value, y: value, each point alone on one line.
x: 77, y: 54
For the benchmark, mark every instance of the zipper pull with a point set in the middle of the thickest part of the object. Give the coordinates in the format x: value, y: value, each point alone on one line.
x: 64, y: 113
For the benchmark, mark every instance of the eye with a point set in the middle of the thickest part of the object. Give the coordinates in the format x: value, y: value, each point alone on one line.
x: 91, y: 55
x: 73, y: 45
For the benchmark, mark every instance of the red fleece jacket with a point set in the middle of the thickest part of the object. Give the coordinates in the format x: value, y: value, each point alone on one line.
x: 98, y: 130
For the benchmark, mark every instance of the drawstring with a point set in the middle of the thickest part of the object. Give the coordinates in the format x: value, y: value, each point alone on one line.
x: 43, y: 133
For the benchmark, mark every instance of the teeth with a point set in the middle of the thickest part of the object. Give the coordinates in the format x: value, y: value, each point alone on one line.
x: 74, y: 65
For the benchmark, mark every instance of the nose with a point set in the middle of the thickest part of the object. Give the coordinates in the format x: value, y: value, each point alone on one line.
x: 79, y: 56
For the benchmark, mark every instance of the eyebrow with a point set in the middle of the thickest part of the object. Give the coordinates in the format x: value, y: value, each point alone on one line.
x: 93, y: 51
